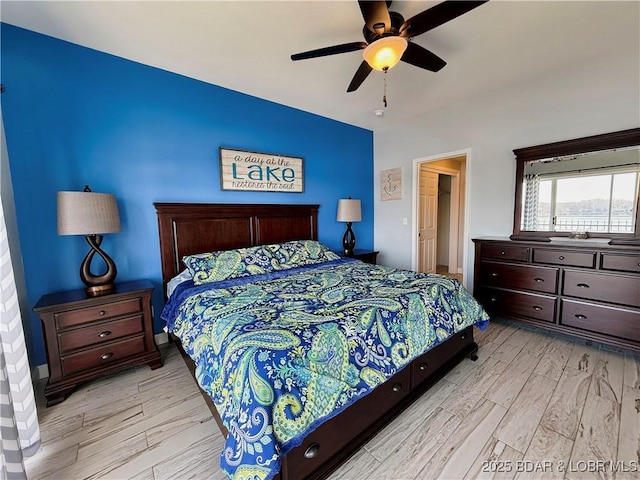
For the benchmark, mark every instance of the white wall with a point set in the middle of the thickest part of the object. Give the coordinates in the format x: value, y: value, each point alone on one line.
x: 599, y: 97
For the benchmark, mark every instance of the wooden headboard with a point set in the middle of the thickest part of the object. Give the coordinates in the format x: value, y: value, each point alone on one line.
x: 188, y: 228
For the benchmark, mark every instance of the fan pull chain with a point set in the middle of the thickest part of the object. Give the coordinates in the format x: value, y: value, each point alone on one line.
x: 384, y: 95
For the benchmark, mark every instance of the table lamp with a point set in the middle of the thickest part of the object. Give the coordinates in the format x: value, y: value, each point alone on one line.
x: 349, y: 211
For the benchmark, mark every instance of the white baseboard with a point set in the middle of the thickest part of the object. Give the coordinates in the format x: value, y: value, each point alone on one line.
x: 42, y: 371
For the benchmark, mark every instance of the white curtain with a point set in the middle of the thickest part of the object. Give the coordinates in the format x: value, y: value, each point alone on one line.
x: 19, y: 431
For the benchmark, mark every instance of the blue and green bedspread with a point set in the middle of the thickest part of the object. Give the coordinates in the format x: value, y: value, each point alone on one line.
x: 280, y: 353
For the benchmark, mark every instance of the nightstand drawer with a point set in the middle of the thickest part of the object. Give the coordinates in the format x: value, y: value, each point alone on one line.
x: 105, y: 332
x: 101, y: 356
x: 72, y: 318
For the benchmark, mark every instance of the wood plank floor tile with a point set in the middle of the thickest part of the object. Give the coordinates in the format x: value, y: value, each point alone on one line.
x: 632, y: 369
x: 511, y: 381
x: 608, y: 375
x: 555, y: 358
x: 546, y: 457
x: 519, y: 424
x: 583, y: 357
x: 47, y: 462
x: 497, y: 460
x: 361, y: 465
x: 566, y: 404
x: 508, y: 350
x: 410, y: 419
x: 596, y: 440
x: 145, y: 475
x: 461, y: 372
x: 411, y: 454
x: 200, y: 461
x: 456, y: 456
x: 629, y: 435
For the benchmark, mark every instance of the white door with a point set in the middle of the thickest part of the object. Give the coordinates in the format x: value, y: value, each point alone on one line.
x: 428, y: 222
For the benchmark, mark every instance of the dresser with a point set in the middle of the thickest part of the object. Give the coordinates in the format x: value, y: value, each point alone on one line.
x: 87, y: 337
x: 590, y: 290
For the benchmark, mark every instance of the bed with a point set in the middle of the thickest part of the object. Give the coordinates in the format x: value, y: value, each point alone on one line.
x: 303, y: 355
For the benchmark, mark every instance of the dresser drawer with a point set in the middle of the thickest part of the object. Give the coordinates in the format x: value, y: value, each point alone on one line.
x: 614, y: 321
x: 104, y: 332
x: 531, y: 305
x: 503, y: 252
x: 102, y: 355
x: 620, y: 289
x: 527, y: 277
x: 563, y: 257
x: 621, y: 262
x: 72, y: 318
x: 329, y: 438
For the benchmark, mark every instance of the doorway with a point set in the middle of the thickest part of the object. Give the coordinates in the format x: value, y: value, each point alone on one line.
x: 439, y: 220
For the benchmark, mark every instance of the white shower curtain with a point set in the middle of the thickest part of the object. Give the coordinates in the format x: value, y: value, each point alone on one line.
x: 19, y: 431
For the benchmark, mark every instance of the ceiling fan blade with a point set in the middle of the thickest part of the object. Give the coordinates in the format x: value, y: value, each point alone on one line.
x: 423, y: 58
x: 436, y: 16
x: 376, y: 15
x: 333, y: 50
x: 363, y: 72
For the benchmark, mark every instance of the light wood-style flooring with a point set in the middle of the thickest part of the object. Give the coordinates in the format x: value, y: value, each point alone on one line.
x: 533, y: 406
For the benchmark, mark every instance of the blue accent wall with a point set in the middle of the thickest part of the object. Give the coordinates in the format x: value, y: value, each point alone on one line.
x: 75, y: 116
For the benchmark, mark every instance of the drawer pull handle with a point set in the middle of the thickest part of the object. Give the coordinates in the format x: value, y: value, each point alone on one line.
x: 312, y: 451
x: 494, y: 274
x: 502, y: 252
x: 463, y: 336
x: 582, y: 285
x: 424, y: 366
x: 106, y: 356
x: 537, y: 308
x: 561, y: 257
x: 538, y: 280
x: 494, y: 299
x: 397, y: 387
x: 106, y: 333
x: 102, y: 312
x: 580, y: 316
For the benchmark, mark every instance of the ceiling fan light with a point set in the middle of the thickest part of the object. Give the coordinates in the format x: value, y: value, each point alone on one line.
x: 385, y: 52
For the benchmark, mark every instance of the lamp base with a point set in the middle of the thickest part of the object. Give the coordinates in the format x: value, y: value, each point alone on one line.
x: 348, y: 241
x: 98, y: 290
x: 97, y: 284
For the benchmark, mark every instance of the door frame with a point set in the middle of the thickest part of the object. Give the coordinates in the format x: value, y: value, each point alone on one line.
x: 415, y: 198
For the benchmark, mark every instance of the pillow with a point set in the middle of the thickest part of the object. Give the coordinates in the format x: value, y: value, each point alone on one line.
x: 227, y: 264
x: 242, y: 262
x: 299, y: 253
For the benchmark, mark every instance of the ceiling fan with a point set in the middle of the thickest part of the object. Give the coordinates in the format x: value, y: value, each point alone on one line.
x: 388, y: 37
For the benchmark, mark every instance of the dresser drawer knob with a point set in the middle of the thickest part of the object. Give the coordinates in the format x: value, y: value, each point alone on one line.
x: 106, y: 333
x: 312, y: 451
x: 463, y: 336
x: 582, y: 285
x: 538, y: 280
x: 494, y: 274
x: 106, y: 356
x: 502, y: 252
x: 102, y: 313
x: 423, y: 366
x: 580, y: 316
x: 537, y: 308
x: 397, y: 387
x: 493, y: 299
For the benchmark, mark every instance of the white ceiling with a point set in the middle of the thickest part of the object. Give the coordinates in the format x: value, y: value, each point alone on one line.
x: 246, y: 46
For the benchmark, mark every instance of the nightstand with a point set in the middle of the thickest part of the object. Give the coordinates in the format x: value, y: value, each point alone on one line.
x: 367, y: 256
x: 87, y: 337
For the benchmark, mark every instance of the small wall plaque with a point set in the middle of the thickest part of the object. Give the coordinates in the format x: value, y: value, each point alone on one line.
x: 260, y: 172
x: 391, y: 184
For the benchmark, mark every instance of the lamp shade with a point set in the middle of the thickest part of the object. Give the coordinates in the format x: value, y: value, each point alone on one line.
x: 385, y: 52
x: 349, y: 210
x: 87, y: 213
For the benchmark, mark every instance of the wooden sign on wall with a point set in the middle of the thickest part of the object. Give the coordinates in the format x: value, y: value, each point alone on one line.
x: 260, y: 172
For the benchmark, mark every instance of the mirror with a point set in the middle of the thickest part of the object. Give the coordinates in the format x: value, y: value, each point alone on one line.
x: 580, y: 188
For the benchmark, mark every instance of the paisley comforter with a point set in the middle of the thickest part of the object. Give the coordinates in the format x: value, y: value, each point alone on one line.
x: 280, y: 353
